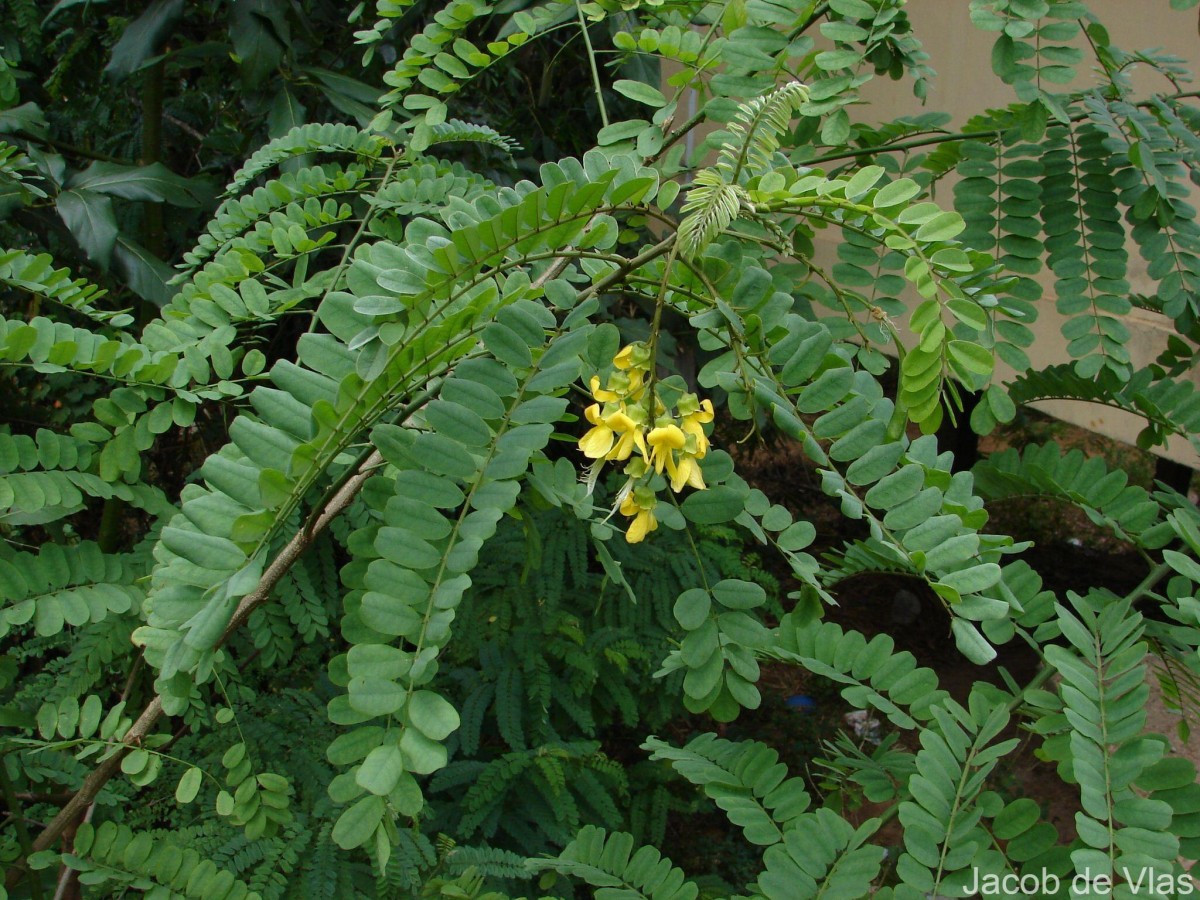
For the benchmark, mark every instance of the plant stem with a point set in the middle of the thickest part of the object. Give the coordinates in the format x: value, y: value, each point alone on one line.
x: 1153, y: 577
x: 675, y: 136
x: 359, y: 466
x: 72, y: 149
x: 656, y: 326
x: 632, y: 265
x: 348, y: 252
x: 918, y: 143
x: 591, y: 55
x: 282, y: 563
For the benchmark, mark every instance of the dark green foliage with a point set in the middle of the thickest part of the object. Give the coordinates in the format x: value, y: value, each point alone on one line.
x: 557, y: 652
x: 304, y: 580
x: 1086, y: 248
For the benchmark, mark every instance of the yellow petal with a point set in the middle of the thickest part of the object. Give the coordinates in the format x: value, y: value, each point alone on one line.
x: 664, y: 440
x: 680, y: 473
x: 636, y: 383
x: 624, y: 446
x: 618, y: 421
x: 604, y: 396
x: 667, y: 436
x: 629, y: 506
x: 701, y: 441
x: 597, y: 442
x: 642, y: 525
x: 673, y: 471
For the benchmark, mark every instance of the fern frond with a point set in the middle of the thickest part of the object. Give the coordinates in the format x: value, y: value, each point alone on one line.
x: 711, y: 205
x: 606, y: 860
x: 456, y: 131
x: 822, y: 855
x: 1105, y: 495
x: 756, y: 131
x: 745, y: 779
x: 875, y: 676
x: 358, y: 378
x: 1165, y: 226
x: 297, y: 192
x: 717, y: 194
x: 881, y: 771
x: 62, y: 586
x: 16, y: 168
x: 94, y: 650
x: 113, y: 852
x: 1086, y: 248
x: 942, y: 821
x: 1169, y: 406
x: 1034, y: 50
x: 304, y: 139
x: 1104, y: 693
x: 859, y: 557
x: 37, y: 275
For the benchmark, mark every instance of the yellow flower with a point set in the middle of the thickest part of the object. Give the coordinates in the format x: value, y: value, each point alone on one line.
x: 636, y: 382
x: 626, y: 385
x: 641, y: 507
x: 687, y: 472
x: 604, y: 396
x: 599, y: 440
x: 621, y: 425
x: 663, y: 440
x: 614, y: 436
x: 693, y: 424
x: 624, y: 359
x: 631, y: 436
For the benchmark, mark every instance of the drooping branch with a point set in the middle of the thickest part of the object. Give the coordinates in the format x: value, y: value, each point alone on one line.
x: 287, y: 558
x: 298, y: 544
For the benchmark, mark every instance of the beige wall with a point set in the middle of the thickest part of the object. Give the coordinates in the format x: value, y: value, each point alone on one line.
x: 965, y: 86
x: 961, y: 55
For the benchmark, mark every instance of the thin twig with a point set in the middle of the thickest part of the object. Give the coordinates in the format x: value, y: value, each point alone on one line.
x: 919, y: 143
x: 102, y: 774
x: 591, y: 54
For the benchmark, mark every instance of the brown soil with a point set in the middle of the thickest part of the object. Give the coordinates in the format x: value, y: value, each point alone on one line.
x: 1070, y: 552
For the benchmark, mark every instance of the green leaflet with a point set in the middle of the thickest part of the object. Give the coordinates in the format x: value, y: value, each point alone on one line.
x: 301, y: 140
x: 396, y: 354
x: 61, y: 586
x: 942, y: 830
x: 745, y: 779
x: 115, y: 854
x: 1079, y: 208
x: 36, y: 274
x: 609, y: 861
x: 412, y: 308
x: 875, y: 675
x: 1104, y: 495
x: 1104, y: 694
x: 823, y: 855
x: 411, y: 589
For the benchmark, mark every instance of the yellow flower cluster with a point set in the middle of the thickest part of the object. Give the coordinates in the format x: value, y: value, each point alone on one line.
x: 622, y: 423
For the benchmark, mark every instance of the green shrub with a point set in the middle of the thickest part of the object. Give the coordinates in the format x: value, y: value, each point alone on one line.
x: 387, y: 638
